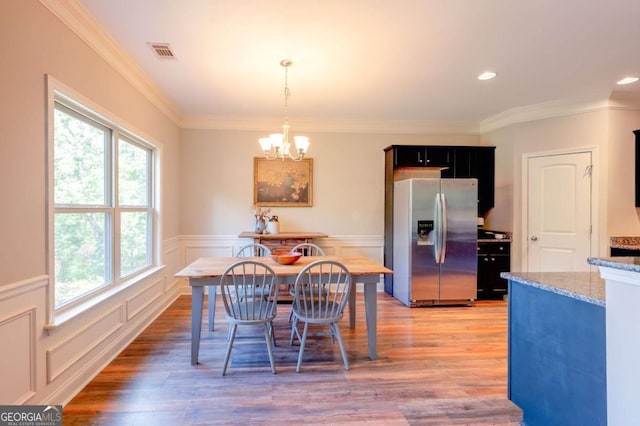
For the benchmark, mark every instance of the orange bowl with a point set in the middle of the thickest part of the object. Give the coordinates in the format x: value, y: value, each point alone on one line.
x: 286, y: 257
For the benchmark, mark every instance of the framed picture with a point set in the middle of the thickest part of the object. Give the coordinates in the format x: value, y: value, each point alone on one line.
x: 283, y: 183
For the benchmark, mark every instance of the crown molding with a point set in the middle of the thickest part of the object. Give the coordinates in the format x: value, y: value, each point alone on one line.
x: 616, y: 101
x: 74, y: 15
x: 330, y: 126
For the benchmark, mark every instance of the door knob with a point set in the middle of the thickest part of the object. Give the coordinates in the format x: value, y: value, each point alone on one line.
x: 534, y: 238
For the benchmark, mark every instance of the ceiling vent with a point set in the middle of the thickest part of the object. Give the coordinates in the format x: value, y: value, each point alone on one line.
x: 162, y: 50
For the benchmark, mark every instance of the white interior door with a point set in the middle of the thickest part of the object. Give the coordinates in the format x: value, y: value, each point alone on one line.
x: 559, y: 212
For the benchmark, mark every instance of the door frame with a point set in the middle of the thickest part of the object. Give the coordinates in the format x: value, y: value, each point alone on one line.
x: 595, y: 197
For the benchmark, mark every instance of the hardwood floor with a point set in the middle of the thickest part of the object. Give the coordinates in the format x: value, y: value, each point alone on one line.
x: 435, y: 366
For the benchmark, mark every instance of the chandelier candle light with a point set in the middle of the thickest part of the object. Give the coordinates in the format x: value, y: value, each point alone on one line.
x: 277, y: 144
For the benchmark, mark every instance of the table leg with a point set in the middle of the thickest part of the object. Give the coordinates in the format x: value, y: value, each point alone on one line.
x: 197, y: 296
x: 352, y: 306
x: 371, y: 310
x: 212, y: 306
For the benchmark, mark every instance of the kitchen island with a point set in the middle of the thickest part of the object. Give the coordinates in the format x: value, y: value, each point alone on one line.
x: 622, y: 276
x: 557, y: 347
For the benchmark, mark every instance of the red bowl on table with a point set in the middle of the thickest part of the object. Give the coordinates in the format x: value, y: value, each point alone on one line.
x: 286, y: 257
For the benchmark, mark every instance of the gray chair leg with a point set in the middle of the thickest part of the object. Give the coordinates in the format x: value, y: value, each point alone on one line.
x: 336, y: 331
x: 232, y: 336
x: 268, y: 337
x: 302, y: 342
x: 294, y: 327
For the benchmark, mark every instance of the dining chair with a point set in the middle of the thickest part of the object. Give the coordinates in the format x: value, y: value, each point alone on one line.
x: 307, y: 249
x: 321, y: 292
x: 253, y: 250
x: 250, y: 250
x: 245, y: 306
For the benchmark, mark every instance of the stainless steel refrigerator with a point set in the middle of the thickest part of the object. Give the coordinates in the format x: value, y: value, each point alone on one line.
x: 435, y: 241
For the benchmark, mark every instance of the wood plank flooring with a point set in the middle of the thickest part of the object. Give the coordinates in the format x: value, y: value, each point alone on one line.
x: 435, y: 366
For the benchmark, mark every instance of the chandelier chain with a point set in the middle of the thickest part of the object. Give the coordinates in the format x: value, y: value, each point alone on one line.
x: 287, y: 93
x: 277, y: 145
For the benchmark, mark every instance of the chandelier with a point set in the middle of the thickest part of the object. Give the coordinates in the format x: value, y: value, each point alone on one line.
x: 277, y: 145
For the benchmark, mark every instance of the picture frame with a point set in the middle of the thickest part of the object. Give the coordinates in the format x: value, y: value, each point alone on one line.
x: 282, y: 183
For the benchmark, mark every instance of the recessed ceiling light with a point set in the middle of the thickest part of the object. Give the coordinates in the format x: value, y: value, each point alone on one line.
x: 487, y: 75
x: 628, y: 80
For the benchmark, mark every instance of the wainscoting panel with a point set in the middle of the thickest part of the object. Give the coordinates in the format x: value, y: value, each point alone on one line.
x: 18, y: 356
x: 78, y: 345
x: 145, y: 298
x: 173, y: 263
x: 41, y: 364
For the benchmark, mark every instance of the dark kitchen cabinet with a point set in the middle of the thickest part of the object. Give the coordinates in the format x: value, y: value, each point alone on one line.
x: 482, y: 166
x: 426, y: 156
x: 478, y: 162
x: 493, y: 258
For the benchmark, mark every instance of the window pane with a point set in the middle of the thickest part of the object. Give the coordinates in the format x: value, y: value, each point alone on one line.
x: 80, y: 241
x: 133, y: 175
x: 79, y: 161
x: 134, y: 244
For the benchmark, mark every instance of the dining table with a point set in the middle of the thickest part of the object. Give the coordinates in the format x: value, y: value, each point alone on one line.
x: 208, y: 271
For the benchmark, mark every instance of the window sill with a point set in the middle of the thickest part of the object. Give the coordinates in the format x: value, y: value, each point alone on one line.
x: 66, y: 315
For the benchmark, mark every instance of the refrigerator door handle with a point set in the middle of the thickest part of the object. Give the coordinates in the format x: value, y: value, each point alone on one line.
x: 437, y: 229
x: 443, y: 219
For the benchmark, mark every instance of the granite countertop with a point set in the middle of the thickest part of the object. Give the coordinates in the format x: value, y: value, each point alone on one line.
x: 629, y: 243
x: 631, y: 264
x: 585, y: 286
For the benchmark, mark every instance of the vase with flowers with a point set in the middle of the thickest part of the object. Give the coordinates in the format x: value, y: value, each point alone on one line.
x: 262, y: 216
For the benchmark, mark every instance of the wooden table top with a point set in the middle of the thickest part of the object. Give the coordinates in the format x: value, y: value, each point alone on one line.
x: 283, y: 235
x: 213, y: 267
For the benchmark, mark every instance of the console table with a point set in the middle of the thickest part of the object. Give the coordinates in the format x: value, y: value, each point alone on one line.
x: 283, y: 240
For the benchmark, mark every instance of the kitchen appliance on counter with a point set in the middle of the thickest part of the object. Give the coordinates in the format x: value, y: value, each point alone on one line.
x: 435, y: 241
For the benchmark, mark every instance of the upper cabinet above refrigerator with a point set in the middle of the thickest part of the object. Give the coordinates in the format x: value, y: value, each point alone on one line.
x: 426, y: 156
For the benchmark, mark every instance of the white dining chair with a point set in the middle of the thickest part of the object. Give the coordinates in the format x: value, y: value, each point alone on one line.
x: 321, y: 292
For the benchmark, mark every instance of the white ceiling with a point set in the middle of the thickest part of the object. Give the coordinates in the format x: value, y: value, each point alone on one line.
x: 377, y: 60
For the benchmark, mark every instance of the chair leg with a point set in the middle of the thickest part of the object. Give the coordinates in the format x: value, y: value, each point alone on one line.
x: 302, y: 342
x: 232, y: 335
x: 336, y: 331
x: 294, y: 329
x: 268, y: 331
x: 272, y: 333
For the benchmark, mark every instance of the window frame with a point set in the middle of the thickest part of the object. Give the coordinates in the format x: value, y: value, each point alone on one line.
x: 85, y: 110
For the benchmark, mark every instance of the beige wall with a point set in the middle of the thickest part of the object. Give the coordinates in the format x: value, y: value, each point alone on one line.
x: 36, y: 43
x: 348, y: 191
x: 49, y: 365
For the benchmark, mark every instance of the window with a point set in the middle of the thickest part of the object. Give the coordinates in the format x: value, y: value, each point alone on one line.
x: 103, y: 211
